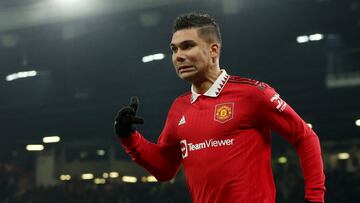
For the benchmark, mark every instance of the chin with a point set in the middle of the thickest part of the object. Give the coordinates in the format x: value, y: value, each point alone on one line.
x: 188, y: 76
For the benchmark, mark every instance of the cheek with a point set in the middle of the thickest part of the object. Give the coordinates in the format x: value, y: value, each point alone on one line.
x: 203, y: 58
x: 173, y: 59
x: 196, y: 57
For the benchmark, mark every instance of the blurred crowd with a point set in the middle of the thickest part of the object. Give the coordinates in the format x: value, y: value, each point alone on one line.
x: 17, y: 186
x: 341, y: 185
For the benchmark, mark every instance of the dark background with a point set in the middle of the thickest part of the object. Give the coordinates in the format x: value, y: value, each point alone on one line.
x: 89, y: 66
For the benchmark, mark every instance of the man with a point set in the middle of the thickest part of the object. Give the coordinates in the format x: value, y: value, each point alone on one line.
x: 220, y: 131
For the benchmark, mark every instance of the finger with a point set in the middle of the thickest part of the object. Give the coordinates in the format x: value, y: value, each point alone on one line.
x: 127, y: 110
x: 134, y: 103
x: 137, y: 120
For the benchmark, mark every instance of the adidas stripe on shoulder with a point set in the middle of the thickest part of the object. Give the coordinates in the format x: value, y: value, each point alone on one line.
x: 248, y: 81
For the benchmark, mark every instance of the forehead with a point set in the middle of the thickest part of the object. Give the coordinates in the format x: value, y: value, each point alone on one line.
x: 185, y: 35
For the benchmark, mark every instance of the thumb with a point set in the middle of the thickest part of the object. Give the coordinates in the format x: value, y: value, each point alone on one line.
x: 137, y: 120
x: 134, y: 103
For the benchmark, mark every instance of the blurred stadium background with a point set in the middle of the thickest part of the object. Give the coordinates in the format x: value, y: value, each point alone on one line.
x: 67, y: 66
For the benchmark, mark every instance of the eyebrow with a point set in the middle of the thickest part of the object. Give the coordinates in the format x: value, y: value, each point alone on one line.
x: 182, y: 43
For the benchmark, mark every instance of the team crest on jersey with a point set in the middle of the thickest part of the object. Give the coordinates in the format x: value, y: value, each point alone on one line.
x: 224, y: 112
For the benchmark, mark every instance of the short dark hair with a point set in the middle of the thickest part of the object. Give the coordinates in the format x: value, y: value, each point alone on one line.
x: 207, y: 27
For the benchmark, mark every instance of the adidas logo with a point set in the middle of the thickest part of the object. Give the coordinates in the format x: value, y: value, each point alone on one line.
x: 182, y: 121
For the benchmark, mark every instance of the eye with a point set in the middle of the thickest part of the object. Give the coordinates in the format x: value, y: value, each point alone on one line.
x: 187, y: 45
x: 173, y: 49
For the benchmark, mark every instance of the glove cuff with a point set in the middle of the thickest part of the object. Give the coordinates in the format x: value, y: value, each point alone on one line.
x: 130, y: 141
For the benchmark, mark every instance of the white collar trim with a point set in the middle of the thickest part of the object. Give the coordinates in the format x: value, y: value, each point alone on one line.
x: 215, y: 88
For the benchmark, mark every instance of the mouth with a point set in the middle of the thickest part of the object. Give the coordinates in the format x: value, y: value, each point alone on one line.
x: 184, y: 68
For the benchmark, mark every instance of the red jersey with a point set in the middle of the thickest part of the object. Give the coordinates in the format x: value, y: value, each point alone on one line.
x: 223, y: 140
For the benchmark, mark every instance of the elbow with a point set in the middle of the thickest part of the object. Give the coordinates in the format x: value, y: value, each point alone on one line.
x: 165, y: 174
x: 306, y: 139
x: 162, y: 177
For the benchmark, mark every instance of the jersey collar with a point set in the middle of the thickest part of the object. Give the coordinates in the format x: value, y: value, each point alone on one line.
x: 215, y: 88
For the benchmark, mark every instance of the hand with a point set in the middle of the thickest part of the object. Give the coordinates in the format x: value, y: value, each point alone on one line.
x: 125, y: 119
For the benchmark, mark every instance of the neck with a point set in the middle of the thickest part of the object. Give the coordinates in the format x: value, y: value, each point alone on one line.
x: 202, y: 85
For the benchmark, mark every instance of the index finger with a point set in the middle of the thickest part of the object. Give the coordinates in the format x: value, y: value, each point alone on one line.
x: 134, y: 103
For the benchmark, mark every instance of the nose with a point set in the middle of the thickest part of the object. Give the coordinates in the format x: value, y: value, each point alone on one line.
x: 179, y: 56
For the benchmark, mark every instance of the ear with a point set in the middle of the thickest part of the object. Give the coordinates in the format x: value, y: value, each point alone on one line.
x: 214, y: 50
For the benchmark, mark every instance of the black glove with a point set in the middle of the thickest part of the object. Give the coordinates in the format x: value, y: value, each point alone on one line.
x: 126, y: 117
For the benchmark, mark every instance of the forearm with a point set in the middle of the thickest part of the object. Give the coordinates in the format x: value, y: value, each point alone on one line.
x: 161, y: 161
x: 309, y: 151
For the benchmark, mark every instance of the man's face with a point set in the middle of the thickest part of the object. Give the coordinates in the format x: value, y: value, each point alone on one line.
x: 190, y: 54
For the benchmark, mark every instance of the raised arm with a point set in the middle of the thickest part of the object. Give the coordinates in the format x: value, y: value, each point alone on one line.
x: 162, y: 159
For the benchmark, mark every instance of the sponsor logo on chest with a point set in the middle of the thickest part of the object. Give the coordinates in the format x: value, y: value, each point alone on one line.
x: 186, y: 148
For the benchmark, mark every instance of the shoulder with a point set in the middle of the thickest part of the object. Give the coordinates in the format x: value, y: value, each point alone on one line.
x: 178, y: 105
x: 248, y: 83
x: 182, y: 96
x: 253, y: 89
x: 182, y: 99
x: 258, y: 91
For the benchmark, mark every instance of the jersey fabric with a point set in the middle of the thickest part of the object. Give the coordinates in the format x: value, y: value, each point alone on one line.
x: 223, y: 140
